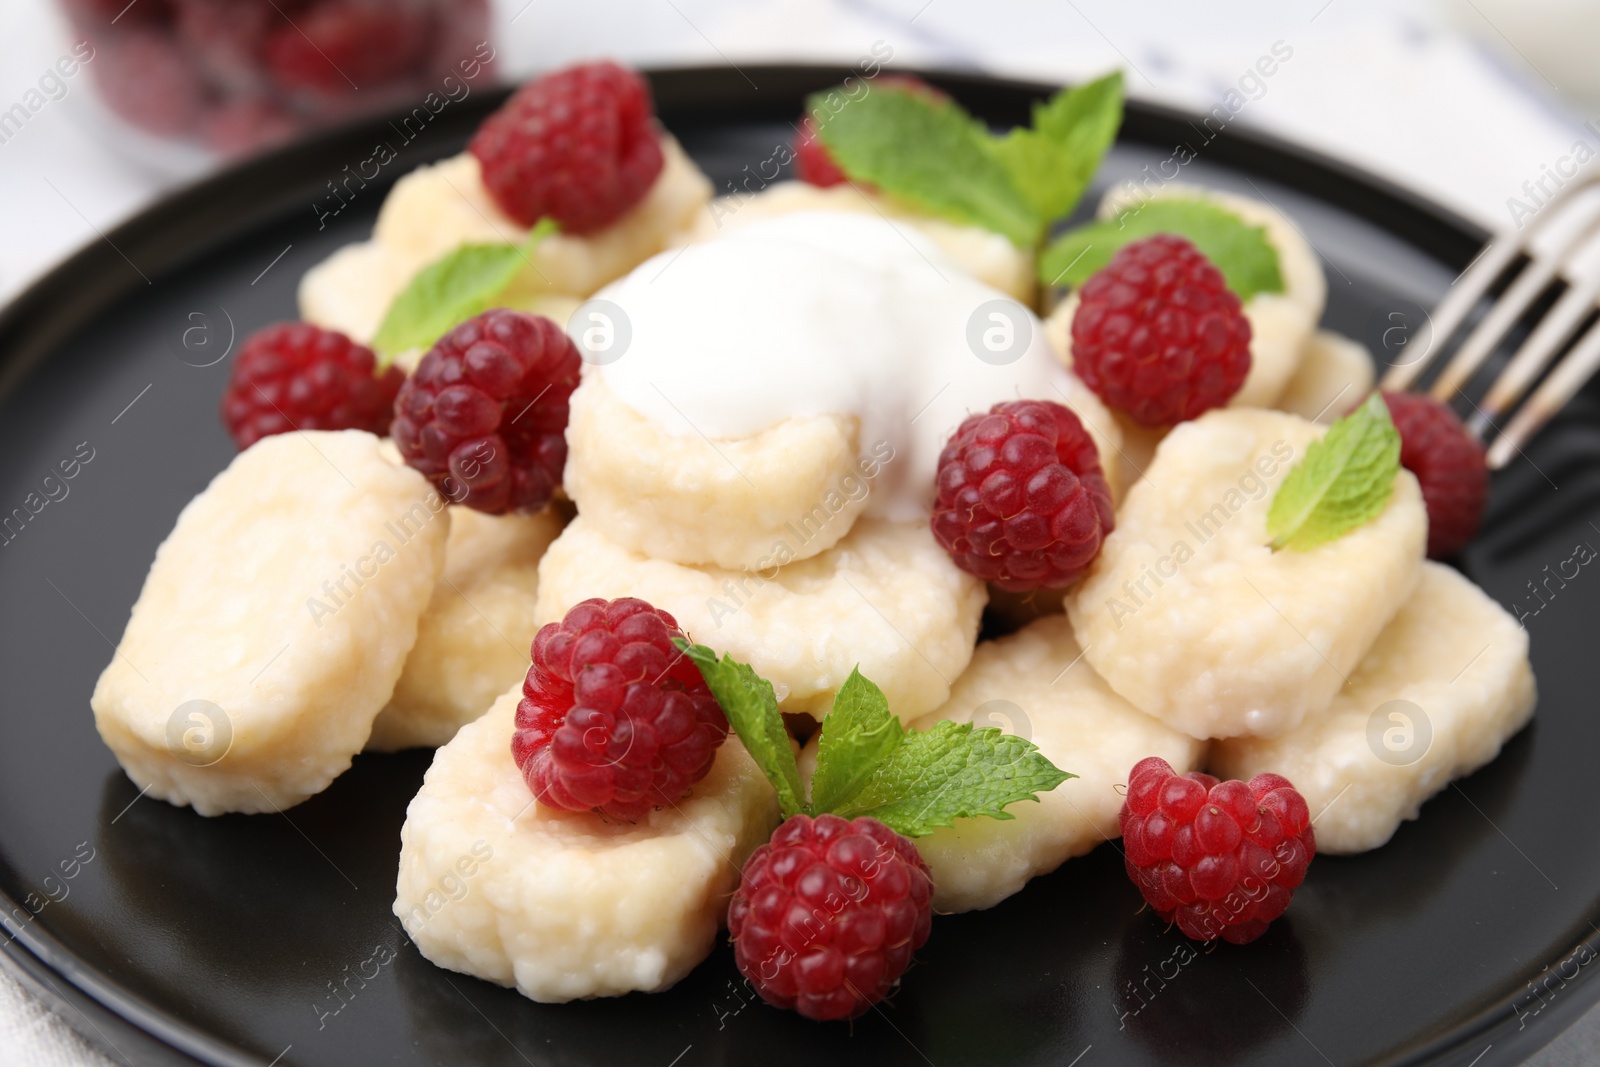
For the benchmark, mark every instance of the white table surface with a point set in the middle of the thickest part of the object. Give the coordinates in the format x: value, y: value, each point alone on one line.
x: 1435, y: 100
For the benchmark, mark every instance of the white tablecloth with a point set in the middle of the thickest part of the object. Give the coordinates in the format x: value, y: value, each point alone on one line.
x: 1391, y: 85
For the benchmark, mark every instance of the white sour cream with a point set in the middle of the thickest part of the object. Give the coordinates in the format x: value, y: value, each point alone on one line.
x: 826, y: 313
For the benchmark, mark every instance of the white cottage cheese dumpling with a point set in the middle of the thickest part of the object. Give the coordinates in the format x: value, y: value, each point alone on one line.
x: 1192, y: 617
x: 1335, y: 375
x: 987, y: 256
x: 682, y: 497
x: 436, y: 208
x: 567, y: 905
x: 1033, y: 683
x: 473, y: 640
x: 886, y: 597
x: 1446, y: 683
x: 273, y: 624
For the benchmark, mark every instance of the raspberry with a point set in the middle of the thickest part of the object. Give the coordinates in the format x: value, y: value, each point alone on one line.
x: 347, y: 45
x: 294, y: 376
x: 224, y: 40
x: 246, y: 125
x: 99, y: 14
x: 1159, y: 335
x: 1221, y: 859
x: 145, y: 78
x: 613, y: 717
x: 814, y: 163
x: 828, y: 913
x: 1021, y: 499
x: 1449, y: 465
x: 579, y: 146
x: 485, y: 414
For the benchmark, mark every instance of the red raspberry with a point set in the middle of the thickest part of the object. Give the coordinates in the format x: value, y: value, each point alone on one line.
x: 1022, y: 502
x: 348, y: 45
x: 1449, y: 464
x: 485, y: 414
x: 224, y: 40
x: 579, y: 146
x: 1221, y: 859
x: 294, y: 376
x: 95, y: 15
x: 828, y: 913
x: 246, y: 125
x: 1158, y: 333
x: 613, y: 717
x: 814, y: 163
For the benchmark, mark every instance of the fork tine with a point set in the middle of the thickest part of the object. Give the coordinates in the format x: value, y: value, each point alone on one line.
x: 1512, y: 305
x: 1541, y: 346
x: 1552, y: 395
x: 1452, y: 311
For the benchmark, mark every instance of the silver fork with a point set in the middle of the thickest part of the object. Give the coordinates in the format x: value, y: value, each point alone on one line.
x: 1573, y: 236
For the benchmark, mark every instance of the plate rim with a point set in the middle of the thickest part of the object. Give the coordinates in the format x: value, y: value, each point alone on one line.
x: 169, y: 231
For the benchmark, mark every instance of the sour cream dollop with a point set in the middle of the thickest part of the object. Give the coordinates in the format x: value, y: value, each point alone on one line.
x: 819, y: 313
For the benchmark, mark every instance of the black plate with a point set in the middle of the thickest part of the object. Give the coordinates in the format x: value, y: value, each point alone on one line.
x: 224, y: 938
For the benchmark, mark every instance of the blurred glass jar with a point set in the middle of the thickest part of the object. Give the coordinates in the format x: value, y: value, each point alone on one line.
x: 232, y: 77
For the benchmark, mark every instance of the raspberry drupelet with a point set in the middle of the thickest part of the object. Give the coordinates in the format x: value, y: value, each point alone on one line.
x: 828, y: 913
x: 1158, y: 334
x: 579, y: 146
x: 1022, y: 501
x: 1221, y: 859
x: 485, y: 415
x: 613, y: 717
x: 295, y: 376
x: 1449, y: 465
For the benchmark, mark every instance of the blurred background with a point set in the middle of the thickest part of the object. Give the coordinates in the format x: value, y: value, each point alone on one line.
x: 1463, y: 100
x: 105, y: 105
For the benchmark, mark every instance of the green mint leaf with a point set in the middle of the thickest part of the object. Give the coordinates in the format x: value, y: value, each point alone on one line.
x: 929, y: 153
x: 1344, y: 481
x: 1240, y: 251
x: 752, y: 709
x: 1052, y: 162
x: 950, y: 772
x: 858, y: 734
x: 460, y: 284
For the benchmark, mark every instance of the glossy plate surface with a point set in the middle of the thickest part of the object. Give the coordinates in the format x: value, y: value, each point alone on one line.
x: 224, y: 939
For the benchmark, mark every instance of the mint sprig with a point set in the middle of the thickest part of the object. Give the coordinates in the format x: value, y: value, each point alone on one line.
x: 752, y: 709
x: 1242, y: 252
x: 929, y: 152
x: 857, y: 735
x: 869, y: 764
x: 1053, y: 161
x: 952, y: 771
x: 460, y: 284
x: 1344, y: 481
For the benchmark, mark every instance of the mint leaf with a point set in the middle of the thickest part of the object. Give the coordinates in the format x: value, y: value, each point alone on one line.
x: 858, y: 734
x: 1240, y: 251
x: 868, y: 764
x: 950, y: 772
x: 1052, y: 162
x: 460, y: 284
x: 752, y: 709
x: 1344, y: 481
x: 929, y: 153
